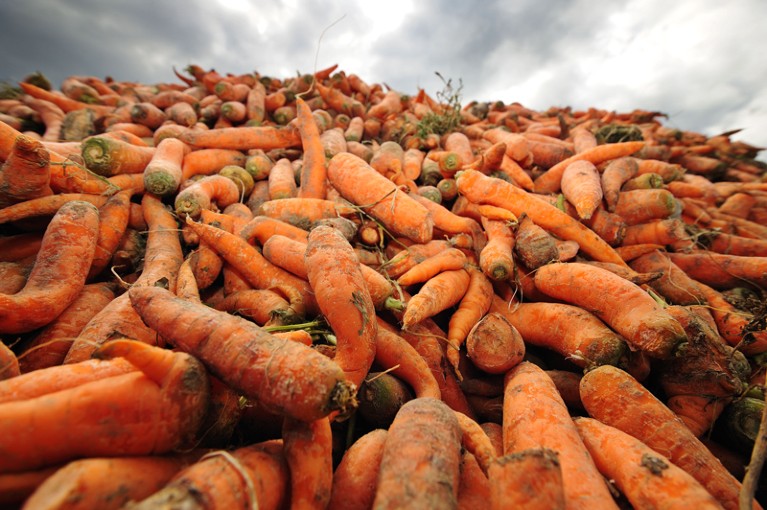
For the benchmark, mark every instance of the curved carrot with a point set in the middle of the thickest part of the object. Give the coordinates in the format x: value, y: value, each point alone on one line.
x: 354, y: 479
x: 345, y: 303
x: 636, y: 316
x: 308, y: 451
x: 114, y: 216
x: 212, y: 189
x: 642, y: 205
x: 421, y: 458
x: 613, y: 397
x: 482, y: 189
x: 395, y: 353
x: 615, y: 174
x: 535, y: 416
x: 549, y: 182
x: 447, y: 260
x: 59, y: 272
x: 162, y: 175
x: 307, y: 385
x: 437, y: 294
x: 359, y: 183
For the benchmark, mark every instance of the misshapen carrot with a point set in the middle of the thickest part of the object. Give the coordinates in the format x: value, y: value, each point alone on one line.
x: 421, y: 458
x: 59, y: 273
x: 307, y: 385
x: 26, y: 172
x: 633, y: 313
x: 535, y: 416
x: 336, y: 279
x: 530, y: 479
x: 613, y: 397
x: 359, y: 183
x: 439, y: 293
x: 480, y: 188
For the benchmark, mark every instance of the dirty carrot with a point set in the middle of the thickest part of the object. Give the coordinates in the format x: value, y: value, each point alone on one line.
x: 113, y: 221
x: 59, y: 272
x: 530, y: 478
x: 314, y: 171
x: 533, y: 245
x: 615, y: 174
x: 26, y: 172
x: 647, y: 478
x: 108, y: 156
x: 308, y: 451
x: 581, y: 186
x: 359, y: 183
x: 282, y: 180
x: 243, y: 138
x: 421, y: 458
x: 209, y: 161
x: 494, y: 345
x: 346, y: 303
x: 203, y: 194
x: 642, y: 205
x: 449, y: 259
x: 354, y: 479
x: 439, y: 293
x: 215, y: 337
x: 261, y: 228
x: 720, y: 270
x: 479, y: 188
x: 163, y: 174
x: 613, y: 397
x: 635, y: 315
x: 303, y: 212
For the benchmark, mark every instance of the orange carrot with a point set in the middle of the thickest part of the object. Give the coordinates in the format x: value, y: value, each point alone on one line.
x: 482, y: 189
x: 550, y: 181
x: 26, y: 172
x: 163, y: 174
x: 263, y: 306
x: 147, y: 115
x: 439, y: 293
x: 581, y: 187
x: 421, y: 458
x: 339, y: 101
x: 642, y: 205
x: 65, y: 103
x: 216, y: 335
x: 9, y: 363
x: 348, y: 308
x: 167, y: 398
x: 663, y: 232
x: 529, y: 478
x: 379, y: 197
x: 494, y: 345
x: 243, y: 138
x: 59, y: 272
x: 108, y: 156
x: 613, y: 397
x: 203, y: 194
x: 308, y: 452
x: 405, y: 259
x: 314, y: 171
x: 645, y: 477
x: 615, y: 174
x: 304, y: 212
x: 261, y: 228
x: 569, y: 330
x: 113, y: 222
x: 447, y: 260
x: 282, y: 180
x: 354, y: 479
x: 720, y: 270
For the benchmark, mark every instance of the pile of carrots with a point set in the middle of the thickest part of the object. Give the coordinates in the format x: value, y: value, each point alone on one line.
x: 241, y: 291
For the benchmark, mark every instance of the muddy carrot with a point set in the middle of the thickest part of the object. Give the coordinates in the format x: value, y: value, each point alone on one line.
x: 354, y: 479
x: 162, y: 175
x: 533, y: 245
x: 215, y: 336
x: 449, y: 259
x: 108, y: 156
x: 721, y: 270
x: 527, y: 391
x: 494, y: 345
x: 203, y: 194
x: 425, y: 433
x: 26, y: 173
x: 582, y: 187
x: 304, y: 212
x: 308, y: 452
x: 261, y: 228
x: 529, y: 478
x: 9, y: 363
x: 636, y: 316
x: 613, y: 397
x: 482, y: 189
x: 615, y: 174
x: 379, y: 197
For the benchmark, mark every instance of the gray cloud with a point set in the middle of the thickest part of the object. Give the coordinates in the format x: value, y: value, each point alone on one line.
x: 700, y: 62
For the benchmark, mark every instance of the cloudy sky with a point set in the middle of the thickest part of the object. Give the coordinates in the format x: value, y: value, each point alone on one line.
x: 702, y: 62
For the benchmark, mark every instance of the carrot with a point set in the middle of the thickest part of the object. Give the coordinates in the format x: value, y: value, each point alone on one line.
x: 203, y: 194
x: 333, y: 142
x: 215, y: 334
x: 613, y: 397
x: 282, y: 181
x: 736, y: 245
x: 65, y: 103
x: 529, y: 478
x: 405, y: 259
x: 339, y: 101
x: 421, y: 458
x: 516, y: 145
x: 148, y: 115
x: 66, y: 175
x: 348, y: 308
x: 162, y: 259
x: 533, y: 245
x: 636, y: 315
x: 253, y: 476
x: 379, y: 197
x: 721, y: 270
x: 569, y: 330
x: 390, y: 104
x: 675, y: 285
x: 494, y: 345
x: 447, y: 260
x: 482, y: 189
x: 474, y: 304
x: 9, y: 364
x: 308, y: 452
x: 49, y: 347
x: 265, y: 307
x: 113, y: 221
x: 535, y: 416
x: 167, y: 398
x: 394, y: 353
x: 26, y: 173
x: 550, y: 181
x: 243, y: 138
x: 581, y: 187
x: 645, y: 477
x: 106, y: 482
x: 262, y: 228
x: 162, y: 174
x: 615, y: 174
x: 439, y: 293
x: 244, y: 257
x: 496, y: 257
x: 314, y: 172
x: 663, y: 232
x: 642, y: 205
x: 59, y: 272
x: 354, y: 479
x: 15, y: 488
x: 609, y: 226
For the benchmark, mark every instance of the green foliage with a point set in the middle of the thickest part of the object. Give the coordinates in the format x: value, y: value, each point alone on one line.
x: 450, y: 118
